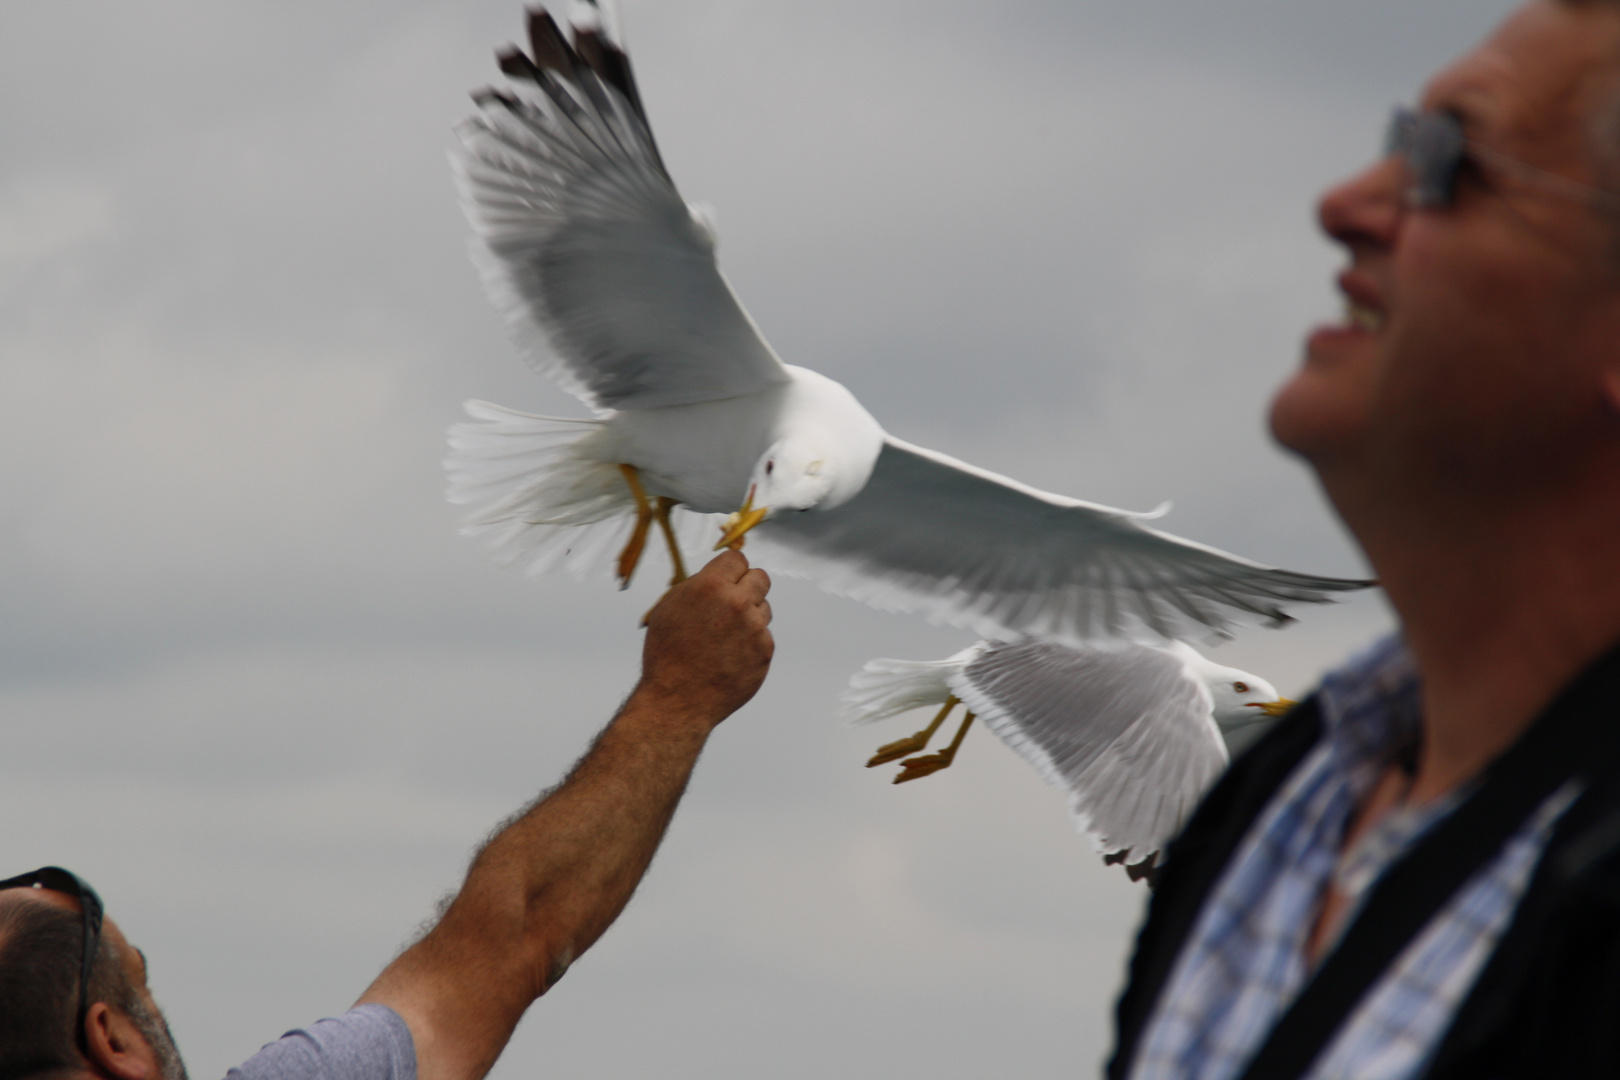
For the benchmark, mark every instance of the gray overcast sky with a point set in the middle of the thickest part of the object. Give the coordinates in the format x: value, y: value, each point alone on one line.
x: 254, y: 687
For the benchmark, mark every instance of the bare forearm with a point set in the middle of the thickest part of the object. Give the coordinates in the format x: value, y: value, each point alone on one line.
x: 549, y: 883
x: 544, y: 889
x: 575, y: 858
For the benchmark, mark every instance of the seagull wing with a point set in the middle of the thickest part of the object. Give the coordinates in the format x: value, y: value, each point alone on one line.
x: 965, y: 547
x: 1125, y: 729
x: 605, y: 276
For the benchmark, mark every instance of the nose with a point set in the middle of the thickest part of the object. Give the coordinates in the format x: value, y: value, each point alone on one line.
x: 1366, y: 210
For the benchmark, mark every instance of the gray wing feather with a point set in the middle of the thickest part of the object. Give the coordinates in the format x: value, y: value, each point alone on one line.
x: 963, y: 546
x: 1124, y: 729
x: 608, y: 282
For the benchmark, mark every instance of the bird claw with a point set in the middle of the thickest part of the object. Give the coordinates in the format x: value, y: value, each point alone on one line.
x: 899, y: 748
x: 630, y: 557
x: 918, y: 767
x: 1146, y: 870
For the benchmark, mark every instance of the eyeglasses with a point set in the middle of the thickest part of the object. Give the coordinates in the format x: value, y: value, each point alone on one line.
x: 1434, y: 148
x: 90, y: 913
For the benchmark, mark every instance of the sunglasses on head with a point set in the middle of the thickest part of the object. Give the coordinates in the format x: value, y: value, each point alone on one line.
x: 1433, y: 147
x: 68, y: 883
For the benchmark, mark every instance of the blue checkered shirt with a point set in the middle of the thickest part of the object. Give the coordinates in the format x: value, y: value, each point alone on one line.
x: 1245, y: 960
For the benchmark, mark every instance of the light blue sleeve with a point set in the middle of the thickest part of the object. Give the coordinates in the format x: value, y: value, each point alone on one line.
x: 369, y: 1042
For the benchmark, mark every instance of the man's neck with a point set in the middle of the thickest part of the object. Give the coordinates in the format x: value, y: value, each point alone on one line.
x: 1499, y: 616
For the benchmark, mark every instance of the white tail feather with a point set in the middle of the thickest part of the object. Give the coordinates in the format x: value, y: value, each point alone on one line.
x: 885, y: 688
x: 539, y: 498
x: 535, y: 500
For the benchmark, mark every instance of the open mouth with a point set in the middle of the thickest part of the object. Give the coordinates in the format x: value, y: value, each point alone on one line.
x: 1359, y: 316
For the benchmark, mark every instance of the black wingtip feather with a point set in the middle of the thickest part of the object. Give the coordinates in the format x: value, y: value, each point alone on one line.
x: 611, y: 64
x: 485, y: 95
x: 515, y: 63
x: 549, y: 47
x: 550, y: 51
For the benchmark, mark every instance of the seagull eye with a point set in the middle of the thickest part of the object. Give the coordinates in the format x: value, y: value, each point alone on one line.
x: 770, y: 467
x: 1241, y: 687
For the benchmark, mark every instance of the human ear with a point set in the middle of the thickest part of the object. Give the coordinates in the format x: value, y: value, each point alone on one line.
x: 117, y: 1049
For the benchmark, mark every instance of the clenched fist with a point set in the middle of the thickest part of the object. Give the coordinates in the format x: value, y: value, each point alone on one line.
x: 708, y: 641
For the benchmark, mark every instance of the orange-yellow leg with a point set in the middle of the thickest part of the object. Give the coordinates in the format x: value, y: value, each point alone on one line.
x: 918, y: 767
x: 631, y: 555
x: 912, y: 743
x: 661, y: 515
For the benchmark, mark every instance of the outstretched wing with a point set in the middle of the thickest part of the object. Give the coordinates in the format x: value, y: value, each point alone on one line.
x: 1124, y: 729
x: 606, y: 278
x: 963, y: 546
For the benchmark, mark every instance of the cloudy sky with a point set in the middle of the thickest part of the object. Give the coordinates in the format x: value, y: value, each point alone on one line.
x: 254, y: 687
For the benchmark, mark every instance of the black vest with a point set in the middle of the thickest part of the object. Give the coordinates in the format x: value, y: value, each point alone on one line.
x: 1548, y: 1001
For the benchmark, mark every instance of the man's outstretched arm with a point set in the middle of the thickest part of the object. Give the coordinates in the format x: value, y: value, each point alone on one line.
x: 548, y: 884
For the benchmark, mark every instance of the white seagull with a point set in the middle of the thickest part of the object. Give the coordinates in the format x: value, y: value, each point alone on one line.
x: 608, y: 281
x: 1134, y: 733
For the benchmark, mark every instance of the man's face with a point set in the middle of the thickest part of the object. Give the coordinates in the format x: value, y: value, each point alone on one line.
x: 147, y: 1017
x: 1475, y: 333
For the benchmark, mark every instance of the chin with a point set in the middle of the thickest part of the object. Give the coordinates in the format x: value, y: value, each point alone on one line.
x: 1315, y: 416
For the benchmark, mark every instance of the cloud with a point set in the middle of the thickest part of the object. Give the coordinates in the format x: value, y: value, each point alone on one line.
x: 256, y: 689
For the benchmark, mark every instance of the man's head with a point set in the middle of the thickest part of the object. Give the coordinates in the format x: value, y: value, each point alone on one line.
x: 1479, y: 359
x: 41, y: 949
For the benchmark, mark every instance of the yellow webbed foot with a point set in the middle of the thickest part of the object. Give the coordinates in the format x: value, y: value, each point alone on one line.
x: 918, y: 767
x: 913, y: 743
x: 1146, y: 870
x: 888, y: 752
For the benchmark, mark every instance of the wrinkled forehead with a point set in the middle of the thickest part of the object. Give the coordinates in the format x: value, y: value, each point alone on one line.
x: 1537, y: 79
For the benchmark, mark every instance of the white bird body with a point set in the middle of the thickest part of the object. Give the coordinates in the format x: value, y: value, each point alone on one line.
x: 708, y: 454
x: 610, y: 285
x: 800, y: 444
x: 1133, y: 732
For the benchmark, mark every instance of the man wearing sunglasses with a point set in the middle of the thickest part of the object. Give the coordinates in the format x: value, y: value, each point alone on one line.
x: 73, y: 996
x: 1417, y: 873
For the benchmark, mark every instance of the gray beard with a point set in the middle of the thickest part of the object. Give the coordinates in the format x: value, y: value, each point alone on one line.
x: 155, y: 1030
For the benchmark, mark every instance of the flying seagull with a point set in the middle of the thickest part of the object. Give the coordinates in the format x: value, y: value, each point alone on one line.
x: 609, y: 283
x: 1135, y: 733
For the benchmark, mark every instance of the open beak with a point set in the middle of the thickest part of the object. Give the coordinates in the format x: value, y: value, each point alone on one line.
x: 738, y: 524
x: 1273, y: 708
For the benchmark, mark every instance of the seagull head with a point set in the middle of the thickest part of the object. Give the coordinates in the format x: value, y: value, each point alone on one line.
x: 1240, y: 699
x: 796, y: 473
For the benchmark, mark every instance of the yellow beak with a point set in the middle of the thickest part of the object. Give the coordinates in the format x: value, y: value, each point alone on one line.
x: 738, y: 524
x: 1274, y: 708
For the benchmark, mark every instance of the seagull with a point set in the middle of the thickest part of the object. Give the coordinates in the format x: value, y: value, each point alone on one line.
x: 1134, y: 732
x: 609, y: 283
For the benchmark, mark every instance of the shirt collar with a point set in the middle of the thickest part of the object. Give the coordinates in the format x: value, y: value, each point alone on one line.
x: 1371, y: 709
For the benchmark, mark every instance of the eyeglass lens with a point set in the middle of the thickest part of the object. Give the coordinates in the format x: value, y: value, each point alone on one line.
x: 1433, y: 146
